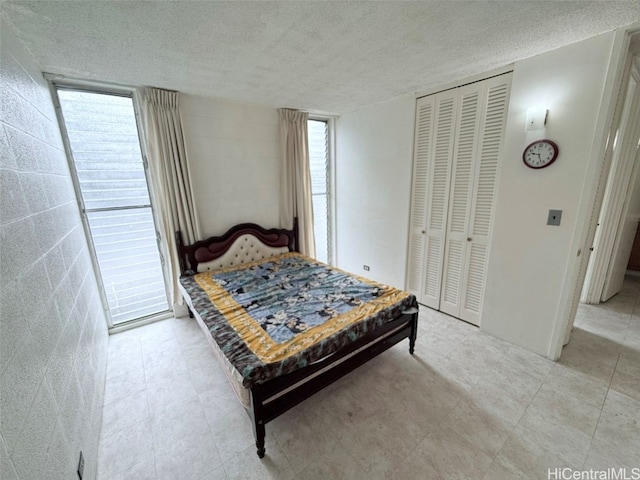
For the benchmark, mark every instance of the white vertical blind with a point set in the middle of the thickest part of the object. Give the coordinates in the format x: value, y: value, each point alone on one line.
x: 103, y: 137
x: 318, y: 135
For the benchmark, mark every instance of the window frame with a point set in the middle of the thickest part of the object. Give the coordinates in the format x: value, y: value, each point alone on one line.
x: 331, y: 184
x: 58, y: 82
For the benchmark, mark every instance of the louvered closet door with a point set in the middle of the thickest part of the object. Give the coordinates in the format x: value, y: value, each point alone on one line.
x: 425, y: 109
x: 439, y: 174
x: 435, y: 121
x: 461, y: 191
x: 464, y: 281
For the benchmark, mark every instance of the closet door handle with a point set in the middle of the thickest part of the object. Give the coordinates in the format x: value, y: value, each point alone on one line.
x: 469, y: 239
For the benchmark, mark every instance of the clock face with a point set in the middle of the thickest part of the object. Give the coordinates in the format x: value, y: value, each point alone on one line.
x: 540, y: 154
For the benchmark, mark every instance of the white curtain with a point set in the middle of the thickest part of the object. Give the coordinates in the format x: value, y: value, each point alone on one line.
x: 170, y: 181
x: 295, y: 196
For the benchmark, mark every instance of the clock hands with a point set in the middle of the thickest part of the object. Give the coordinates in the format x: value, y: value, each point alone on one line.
x: 539, y: 157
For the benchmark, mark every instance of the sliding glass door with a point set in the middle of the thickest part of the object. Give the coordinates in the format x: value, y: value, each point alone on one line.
x: 110, y: 176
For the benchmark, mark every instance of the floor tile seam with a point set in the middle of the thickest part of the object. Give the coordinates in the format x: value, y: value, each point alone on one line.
x: 226, y: 473
x: 315, y: 417
x: 595, y: 430
x: 451, y: 407
x: 144, y: 370
x: 510, y: 428
x: 130, y: 372
x: 593, y: 437
x: 253, y: 452
x: 497, y: 458
x: 568, y: 426
x: 411, y: 453
x: 270, y: 437
x: 589, y: 450
x: 440, y: 420
x: 476, y: 449
x: 338, y: 445
x: 102, y: 439
x: 635, y: 377
x: 525, y: 411
x: 221, y: 465
x: 615, y: 368
x: 124, y: 353
x: 346, y: 448
x: 591, y: 378
x: 128, y: 335
x: 155, y: 455
x: 184, y: 348
x: 182, y: 356
x: 558, y: 455
x: 546, y: 376
x: 118, y: 473
x: 626, y: 333
x: 153, y: 443
x: 213, y: 436
x: 125, y: 428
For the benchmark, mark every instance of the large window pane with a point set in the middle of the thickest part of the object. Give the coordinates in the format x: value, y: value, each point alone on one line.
x: 109, y: 172
x: 104, y: 140
x: 125, y: 244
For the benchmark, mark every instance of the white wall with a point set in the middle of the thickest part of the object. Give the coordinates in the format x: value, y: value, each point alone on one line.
x: 53, y: 341
x: 234, y: 159
x: 373, y: 186
x: 529, y: 261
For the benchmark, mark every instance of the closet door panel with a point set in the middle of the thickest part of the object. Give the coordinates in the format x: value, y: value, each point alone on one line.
x: 494, y: 113
x: 458, y: 138
x: 461, y: 189
x: 439, y: 174
x: 474, y: 283
x: 425, y: 108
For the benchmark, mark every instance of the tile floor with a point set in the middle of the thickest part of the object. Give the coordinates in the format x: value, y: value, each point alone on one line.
x: 466, y: 406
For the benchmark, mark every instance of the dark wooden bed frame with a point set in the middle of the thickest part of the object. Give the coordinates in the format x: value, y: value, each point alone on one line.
x: 274, y: 397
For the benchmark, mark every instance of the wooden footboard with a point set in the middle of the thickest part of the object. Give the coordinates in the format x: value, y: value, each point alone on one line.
x: 274, y: 397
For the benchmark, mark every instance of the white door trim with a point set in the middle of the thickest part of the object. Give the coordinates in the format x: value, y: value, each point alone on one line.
x: 592, y: 194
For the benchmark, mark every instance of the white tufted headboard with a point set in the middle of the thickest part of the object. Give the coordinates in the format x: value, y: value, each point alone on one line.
x: 241, y: 244
x: 246, y: 248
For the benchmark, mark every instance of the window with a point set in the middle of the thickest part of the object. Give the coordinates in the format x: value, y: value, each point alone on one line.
x: 110, y: 178
x: 318, y: 133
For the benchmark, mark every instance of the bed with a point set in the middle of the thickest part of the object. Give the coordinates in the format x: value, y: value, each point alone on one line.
x: 283, y: 325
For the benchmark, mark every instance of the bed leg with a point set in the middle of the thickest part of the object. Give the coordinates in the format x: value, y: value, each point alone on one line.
x: 190, y: 313
x: 414, y: 333
x: 255, y: 412
x: 259, y: 434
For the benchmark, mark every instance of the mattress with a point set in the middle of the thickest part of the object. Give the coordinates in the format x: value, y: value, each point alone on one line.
x: 271, y: 317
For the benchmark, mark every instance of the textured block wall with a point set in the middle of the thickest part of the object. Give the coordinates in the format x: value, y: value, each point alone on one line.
x: 53, y: 335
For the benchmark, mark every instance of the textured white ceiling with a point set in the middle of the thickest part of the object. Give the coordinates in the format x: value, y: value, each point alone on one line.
x: 332, y: 57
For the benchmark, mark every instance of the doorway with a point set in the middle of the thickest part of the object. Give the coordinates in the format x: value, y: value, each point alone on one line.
x: 619, y: 219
